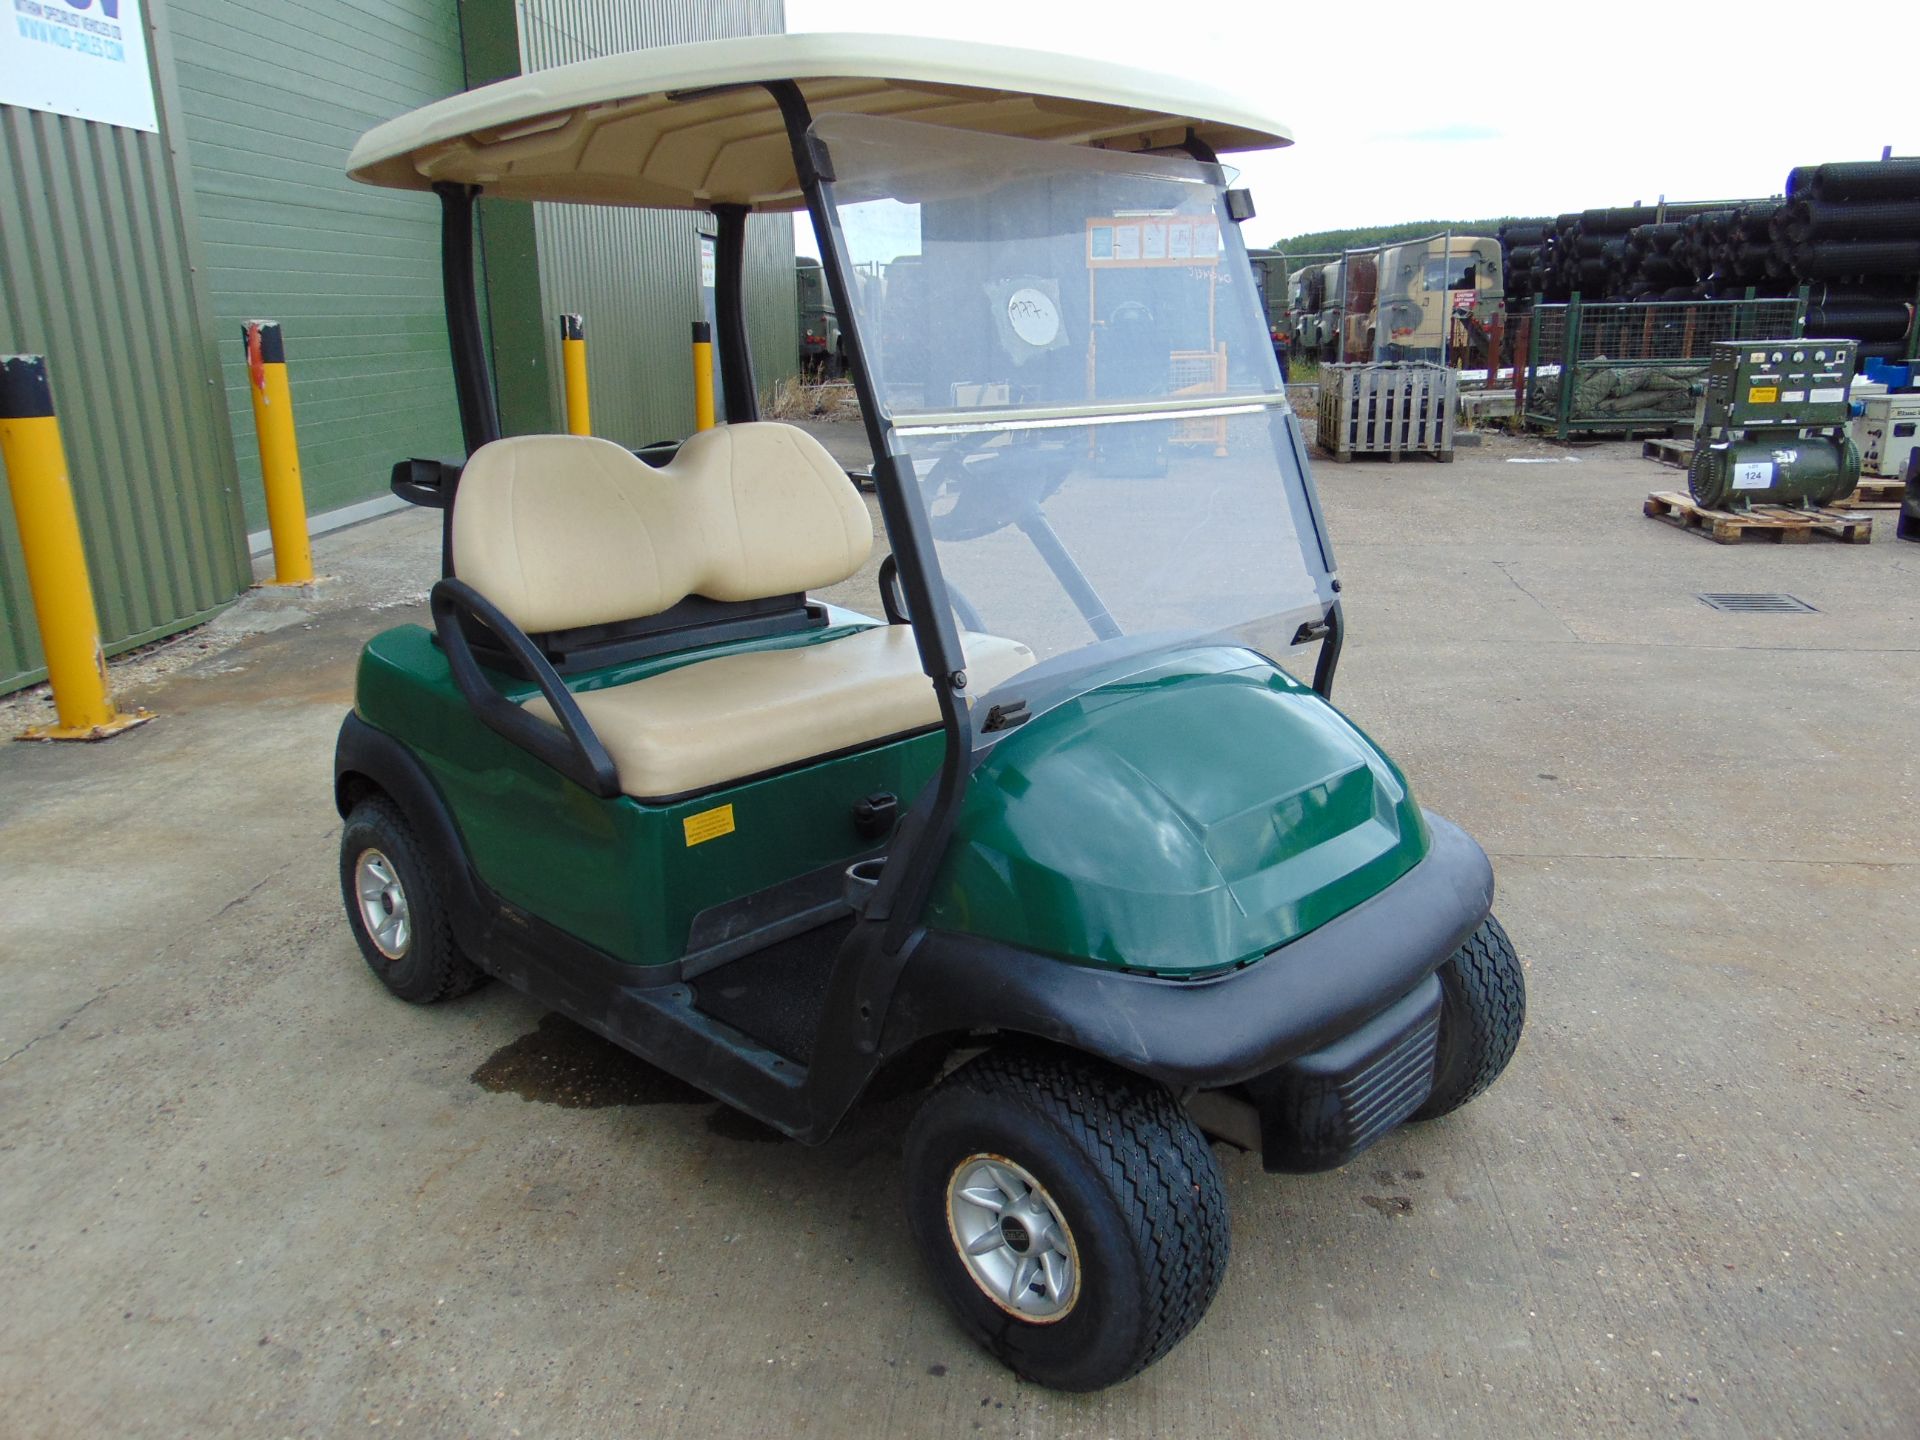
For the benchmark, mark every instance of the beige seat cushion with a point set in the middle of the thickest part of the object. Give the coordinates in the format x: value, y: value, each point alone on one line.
x: 737, y: 715
x: 562, y: 531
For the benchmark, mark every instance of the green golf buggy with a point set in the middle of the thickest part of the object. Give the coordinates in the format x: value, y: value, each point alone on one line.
x: 1053, y: 836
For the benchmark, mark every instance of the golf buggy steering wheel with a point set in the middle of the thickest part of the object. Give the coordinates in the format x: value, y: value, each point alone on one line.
x: 971, y: 491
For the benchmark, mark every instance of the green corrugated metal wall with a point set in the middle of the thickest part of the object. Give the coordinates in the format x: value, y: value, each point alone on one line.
x: 97, y: 257
x: 274, y: 93
x: 130, y: 260
x: 634, y: 273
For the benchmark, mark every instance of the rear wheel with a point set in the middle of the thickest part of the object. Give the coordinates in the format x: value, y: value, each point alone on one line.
x: 395, y: 907
x: 1071, y: 1213
x: 1483, y: 1007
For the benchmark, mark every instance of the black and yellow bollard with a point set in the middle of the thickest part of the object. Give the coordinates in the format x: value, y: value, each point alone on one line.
x: 702, y: 375
x: 573, y: 367
x: 49, y: 526
x: 279, y: 452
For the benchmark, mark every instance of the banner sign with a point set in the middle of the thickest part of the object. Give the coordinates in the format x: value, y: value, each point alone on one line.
x: 85, y: 58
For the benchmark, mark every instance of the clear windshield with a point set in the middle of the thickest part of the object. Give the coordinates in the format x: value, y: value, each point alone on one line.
x: 1070, y: 345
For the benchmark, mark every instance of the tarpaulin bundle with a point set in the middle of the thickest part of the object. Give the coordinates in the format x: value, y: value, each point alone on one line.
x: 1625, y: 390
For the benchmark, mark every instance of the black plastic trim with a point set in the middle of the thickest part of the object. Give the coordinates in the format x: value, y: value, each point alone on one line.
x: 473, y: 386
x: 1329, y: 658
x: 741, y: 927
x: 427, y: 483
x: 1219, y: 1031
x: 1319, y: 1110
x: 692, y: 624
x: 573, y: 749
x: 730, y: 311
x: 362, y: 752
x: 890, y: 597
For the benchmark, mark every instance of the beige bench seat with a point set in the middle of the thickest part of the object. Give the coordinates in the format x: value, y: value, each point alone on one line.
x: 562, y: 531
x: 737, y: 715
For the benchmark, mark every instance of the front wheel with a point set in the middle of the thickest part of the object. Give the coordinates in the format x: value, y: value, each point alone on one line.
x: 1071, y: 1213
x: 1483, y: 1007
x: 395, y: 907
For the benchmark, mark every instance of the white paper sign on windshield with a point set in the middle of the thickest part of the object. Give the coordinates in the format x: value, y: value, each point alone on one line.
x: 85, y: 58
x: 1033, y: 315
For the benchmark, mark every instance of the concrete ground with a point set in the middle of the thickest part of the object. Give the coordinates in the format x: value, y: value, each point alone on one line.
x: 243, y: 1192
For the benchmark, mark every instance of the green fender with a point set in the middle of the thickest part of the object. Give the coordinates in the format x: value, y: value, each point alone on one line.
x: 1183, y: 820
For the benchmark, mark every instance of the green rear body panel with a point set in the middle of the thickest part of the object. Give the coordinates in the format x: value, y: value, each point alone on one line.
x: 1182, y: 820
x: 617, y: 873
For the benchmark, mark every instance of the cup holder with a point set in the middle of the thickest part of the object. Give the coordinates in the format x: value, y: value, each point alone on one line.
x: 863, y: 878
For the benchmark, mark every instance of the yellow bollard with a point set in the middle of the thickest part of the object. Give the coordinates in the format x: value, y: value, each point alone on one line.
x: 573, y: 365
x: 56, y: 563
x: 702, y: 375
x: 279, y: 452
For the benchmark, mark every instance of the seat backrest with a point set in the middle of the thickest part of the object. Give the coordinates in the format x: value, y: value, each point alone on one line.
x: 564, y: 531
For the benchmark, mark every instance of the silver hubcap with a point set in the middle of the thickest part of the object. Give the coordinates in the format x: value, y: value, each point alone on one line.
x: 1012, y: 1238
x: 383, y: 903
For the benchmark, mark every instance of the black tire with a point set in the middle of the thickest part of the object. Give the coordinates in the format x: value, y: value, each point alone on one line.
x: 1483, y: 1007
x: 425, y: 965
x: 1129, y: 1173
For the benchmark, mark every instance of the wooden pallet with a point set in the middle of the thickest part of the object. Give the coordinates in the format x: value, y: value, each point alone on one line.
x: 1668, y: 452
x: 1779, y: 523
x: 1874, y: 495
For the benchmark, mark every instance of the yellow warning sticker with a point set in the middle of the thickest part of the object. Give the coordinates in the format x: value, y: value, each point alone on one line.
x: 709, y: 825
x: 1763, y: 395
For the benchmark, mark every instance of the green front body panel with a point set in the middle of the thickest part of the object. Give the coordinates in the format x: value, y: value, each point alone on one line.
x: 1181, y: 820
x: 617, y: 873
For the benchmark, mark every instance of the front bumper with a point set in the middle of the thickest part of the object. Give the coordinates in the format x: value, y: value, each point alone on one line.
x: 1225, y: 1030
x: 1321, y: 1109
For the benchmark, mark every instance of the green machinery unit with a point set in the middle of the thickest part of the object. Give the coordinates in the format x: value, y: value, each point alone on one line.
x: 1775, y: 429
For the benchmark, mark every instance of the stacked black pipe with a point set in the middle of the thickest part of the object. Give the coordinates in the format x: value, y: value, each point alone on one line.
x: 1850, y: 230
x: 1521, y: 249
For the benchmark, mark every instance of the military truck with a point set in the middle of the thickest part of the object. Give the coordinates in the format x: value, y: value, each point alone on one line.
x: 823, y: 352
x: 1433, y: 299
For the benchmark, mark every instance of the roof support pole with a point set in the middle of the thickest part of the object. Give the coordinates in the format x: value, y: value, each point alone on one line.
x: 921, y: 841
x: 730, y: 310
x: 479, y: 419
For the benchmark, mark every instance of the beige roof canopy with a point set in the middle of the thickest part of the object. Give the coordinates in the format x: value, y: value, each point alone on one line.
x: 610, y: 131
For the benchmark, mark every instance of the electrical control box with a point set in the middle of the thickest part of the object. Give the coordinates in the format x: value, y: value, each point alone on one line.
x: 1778, y: 383
x: 1889, y: 432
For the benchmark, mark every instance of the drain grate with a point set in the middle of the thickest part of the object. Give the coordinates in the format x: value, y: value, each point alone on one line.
x: 1764, y: 603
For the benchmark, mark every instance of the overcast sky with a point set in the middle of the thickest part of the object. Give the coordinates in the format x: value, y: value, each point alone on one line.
x: 1409, y: 112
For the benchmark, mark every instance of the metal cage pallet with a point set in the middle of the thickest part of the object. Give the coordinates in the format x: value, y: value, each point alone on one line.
x: 1621, y: 368
x: 1781, y: 524
x: 1387, y: 411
